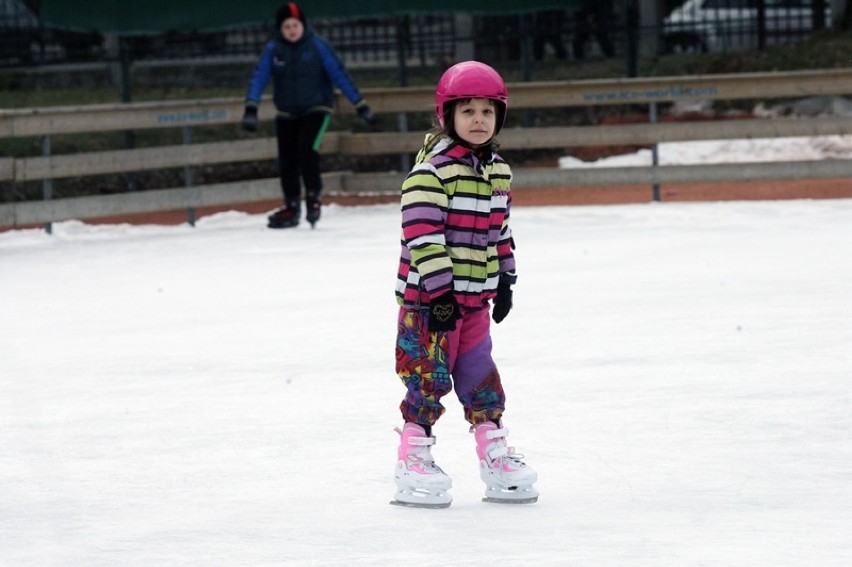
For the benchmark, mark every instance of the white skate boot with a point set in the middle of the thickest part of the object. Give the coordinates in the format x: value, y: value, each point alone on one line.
x: 420, y: 482
x: 507, y: 478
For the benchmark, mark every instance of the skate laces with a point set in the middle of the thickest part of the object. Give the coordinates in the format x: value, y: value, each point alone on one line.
x: 506, y: 455
x: 516, y: 458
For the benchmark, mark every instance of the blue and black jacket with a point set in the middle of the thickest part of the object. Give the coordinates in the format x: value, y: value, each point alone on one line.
x: 303, y: 76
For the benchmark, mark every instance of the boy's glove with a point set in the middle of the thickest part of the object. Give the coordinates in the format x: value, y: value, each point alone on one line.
x: 367, y: 115
x: 250, y: 119
x: 503, y: 301
x: 443, y: 313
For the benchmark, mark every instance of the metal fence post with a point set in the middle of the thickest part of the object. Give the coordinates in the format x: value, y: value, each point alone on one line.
x: 187, y: 175
x: 402, y: 67
x: 46, y: 184
x: 126, y: 64
x: 631, y: 21
x: 655, y: 155
x: 525, y: 21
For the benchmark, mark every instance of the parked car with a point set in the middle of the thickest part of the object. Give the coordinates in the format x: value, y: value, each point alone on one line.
x: 732, y: 25
x: 24, y: 41
x: 19, y: 38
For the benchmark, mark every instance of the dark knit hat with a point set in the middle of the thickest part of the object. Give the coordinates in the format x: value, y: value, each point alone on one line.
x: 289, y: 10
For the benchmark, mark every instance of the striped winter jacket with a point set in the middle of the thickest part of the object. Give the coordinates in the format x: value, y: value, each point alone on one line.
x: 455, y: 226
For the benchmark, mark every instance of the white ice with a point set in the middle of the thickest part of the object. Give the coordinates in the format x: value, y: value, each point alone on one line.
x: 679, y: 374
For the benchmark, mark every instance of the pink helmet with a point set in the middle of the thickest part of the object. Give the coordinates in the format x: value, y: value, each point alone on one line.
x: 472, y: 79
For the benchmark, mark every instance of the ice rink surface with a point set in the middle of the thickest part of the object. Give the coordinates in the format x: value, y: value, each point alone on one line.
x: 679, y: 375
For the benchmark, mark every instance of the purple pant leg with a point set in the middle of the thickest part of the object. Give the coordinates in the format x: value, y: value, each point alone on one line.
x: 475, y: 378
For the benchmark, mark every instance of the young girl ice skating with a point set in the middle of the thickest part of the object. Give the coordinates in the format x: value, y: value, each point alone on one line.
x: 456, y: 257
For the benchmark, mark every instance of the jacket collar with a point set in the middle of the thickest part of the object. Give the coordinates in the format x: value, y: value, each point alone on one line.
x: 467, y: 155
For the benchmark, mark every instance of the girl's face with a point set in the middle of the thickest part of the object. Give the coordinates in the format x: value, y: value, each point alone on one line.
x: 292, y: 29
x: 474, y: 120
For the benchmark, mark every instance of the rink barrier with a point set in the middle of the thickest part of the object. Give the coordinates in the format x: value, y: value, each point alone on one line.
x: 51, y: 121
x: 382, y: 143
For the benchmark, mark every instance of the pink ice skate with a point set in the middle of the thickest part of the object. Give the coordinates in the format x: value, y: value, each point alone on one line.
x: 507, y: 478
x: 420, y: 482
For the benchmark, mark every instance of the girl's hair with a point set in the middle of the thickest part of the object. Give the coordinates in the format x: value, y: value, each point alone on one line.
x: 448, y: 130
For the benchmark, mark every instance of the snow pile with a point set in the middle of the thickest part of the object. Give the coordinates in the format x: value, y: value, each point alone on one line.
x: 728, y: 151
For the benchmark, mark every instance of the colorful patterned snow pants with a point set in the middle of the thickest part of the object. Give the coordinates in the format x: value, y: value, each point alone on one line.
x: 432, y: 364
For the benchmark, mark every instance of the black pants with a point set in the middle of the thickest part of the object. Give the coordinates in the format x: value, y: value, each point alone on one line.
x: 298, y: 153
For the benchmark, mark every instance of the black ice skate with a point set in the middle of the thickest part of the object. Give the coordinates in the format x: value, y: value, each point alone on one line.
x: 285, y: 217
x: 314, y: 206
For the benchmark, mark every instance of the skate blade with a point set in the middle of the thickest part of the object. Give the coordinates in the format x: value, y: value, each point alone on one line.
x: 427, y: 505
x: 524, y: 500
x: 511, y: 496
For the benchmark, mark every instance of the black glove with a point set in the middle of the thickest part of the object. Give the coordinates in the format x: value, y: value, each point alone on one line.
x: 250, y: 119
x: 443, y: 313
x: 367, y: 115
x: 503, y: 301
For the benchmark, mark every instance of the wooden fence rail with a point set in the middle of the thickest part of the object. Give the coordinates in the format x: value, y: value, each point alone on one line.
x: 186, y: 113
